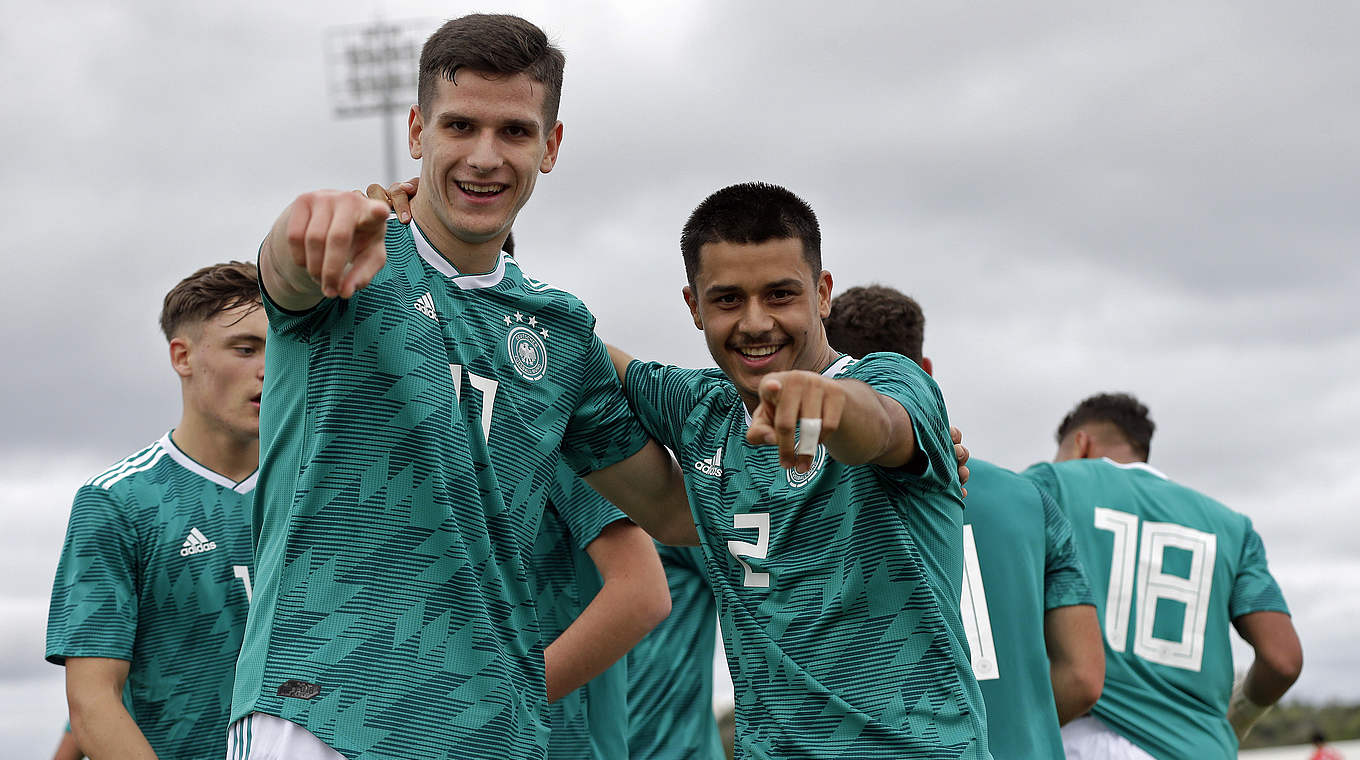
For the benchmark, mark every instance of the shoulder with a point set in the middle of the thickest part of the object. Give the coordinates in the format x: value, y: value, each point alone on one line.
x: 129, y: 471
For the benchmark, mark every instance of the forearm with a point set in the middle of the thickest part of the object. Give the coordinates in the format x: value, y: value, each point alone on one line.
x: 632, y: 601
x: 1076, y: 659
x: 649, y: 488
x: 873, y: 429
x: 287, y: 283
x: 103, y: 728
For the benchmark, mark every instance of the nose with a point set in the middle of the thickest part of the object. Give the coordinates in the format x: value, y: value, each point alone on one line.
x: 486, y: 155
x: 755, y: 318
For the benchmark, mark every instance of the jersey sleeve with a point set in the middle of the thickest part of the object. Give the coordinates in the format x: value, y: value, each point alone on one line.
x: 94, y: 605
x: 1254, y: 589
x: 602, y: 429
x: 1042, y: 475
x: 1065, y: 582
x: 584, y: 511
x: 898, y: 378
x: 663, y: 397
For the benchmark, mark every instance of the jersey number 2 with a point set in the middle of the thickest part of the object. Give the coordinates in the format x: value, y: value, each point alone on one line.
x: 761, y: 522
x: 1142, y: 584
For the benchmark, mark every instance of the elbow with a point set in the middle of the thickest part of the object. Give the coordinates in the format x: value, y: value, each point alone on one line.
x: 657, y: 607
x: 1088, y: 682
x: 1284, y: 662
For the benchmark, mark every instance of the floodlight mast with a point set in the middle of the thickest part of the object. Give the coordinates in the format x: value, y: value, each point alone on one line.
x: 372, y: 70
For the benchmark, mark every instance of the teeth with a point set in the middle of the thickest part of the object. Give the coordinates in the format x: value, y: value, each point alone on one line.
x: 758, y: 351
x: 473, y: 187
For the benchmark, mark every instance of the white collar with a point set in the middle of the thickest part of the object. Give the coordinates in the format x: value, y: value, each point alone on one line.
x: 183, y: 460
x: 463, y: 281
x: 1137, y: 466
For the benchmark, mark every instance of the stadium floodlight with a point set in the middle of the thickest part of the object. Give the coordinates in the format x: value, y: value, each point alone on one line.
x: 372, y: 69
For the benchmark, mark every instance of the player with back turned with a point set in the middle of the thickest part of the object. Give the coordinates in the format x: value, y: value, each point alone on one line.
x: 1027, y: 606
x: 422, y: 392
x: 153, y: 584
x: 1172, y: 569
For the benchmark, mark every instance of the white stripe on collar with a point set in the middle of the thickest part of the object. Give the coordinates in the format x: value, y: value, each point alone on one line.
x: 1137, y: 466
x: 442, y: 265
x: 183, y: 460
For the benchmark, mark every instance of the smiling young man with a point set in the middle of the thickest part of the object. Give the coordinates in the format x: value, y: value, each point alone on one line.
x: 1027, y: 606
x: 153, y: 584
x: 835, y: 558
x: 422, y: 392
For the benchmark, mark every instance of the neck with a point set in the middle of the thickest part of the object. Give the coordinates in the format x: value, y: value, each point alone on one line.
x: 228, y: 454
x: 468, y: 258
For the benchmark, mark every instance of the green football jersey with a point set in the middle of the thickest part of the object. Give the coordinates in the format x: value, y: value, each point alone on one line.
x: 408, y: 438
x: 670, y: 672
x: 1019, y: 562
x: 837, y: 588
x: 155, y: 570
x: 1170, y: 569
x: 592, y: 721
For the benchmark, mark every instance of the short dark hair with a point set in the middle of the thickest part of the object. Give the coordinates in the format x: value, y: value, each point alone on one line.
x: 751, y: 212
x: 1122, y: 410
x: 210, y: 290
x: 498, y: 44
x: 865, y: 319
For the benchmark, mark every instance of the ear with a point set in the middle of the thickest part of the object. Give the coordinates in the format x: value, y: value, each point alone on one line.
x: 928, y: 365
x: 554, y: 142
x: 179, y: 356
x: 693, y: 304
x: 1082, y: 444
x: 414, y: 126
x: 824, y: 294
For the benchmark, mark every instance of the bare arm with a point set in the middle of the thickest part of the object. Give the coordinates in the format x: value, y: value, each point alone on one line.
x: 859, y: 425
x: 67, y: 749
x: 99, y: 721
x: 1076, y: 659
x: 649, y: 488
x: 633, y: 600
x: 1279, y: 660
x: 325, y: 244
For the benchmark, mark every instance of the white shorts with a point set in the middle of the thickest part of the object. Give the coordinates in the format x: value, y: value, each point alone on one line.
x: 264, y: 737
x: 1087, y: 738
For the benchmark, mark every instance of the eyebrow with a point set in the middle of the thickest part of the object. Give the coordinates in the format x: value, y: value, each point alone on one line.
x: 528, y: 125
x: 786, y: 283
x: 248, y: 337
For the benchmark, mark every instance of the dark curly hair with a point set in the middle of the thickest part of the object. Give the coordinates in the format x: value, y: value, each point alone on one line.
x: 865, y: 319
x: 751, y: 213
x: 1122, y: 410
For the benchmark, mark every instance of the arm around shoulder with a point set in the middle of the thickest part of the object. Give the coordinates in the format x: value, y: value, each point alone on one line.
x: 650, y: 489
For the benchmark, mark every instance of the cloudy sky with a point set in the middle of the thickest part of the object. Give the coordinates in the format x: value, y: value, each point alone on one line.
x: 1154, y: 197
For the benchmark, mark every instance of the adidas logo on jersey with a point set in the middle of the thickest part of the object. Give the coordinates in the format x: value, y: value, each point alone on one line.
x: 711, y: 466
x: 196, y: 543
x: 425, y: 305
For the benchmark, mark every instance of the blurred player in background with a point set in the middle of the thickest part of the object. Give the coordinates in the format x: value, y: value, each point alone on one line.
x: 670, y: 673
x: 153, y: 584
x: 1024, y: 591
x: 828, y: 503
x: 423, y: 391
x: 1171, y: 569
x: 600, y: 588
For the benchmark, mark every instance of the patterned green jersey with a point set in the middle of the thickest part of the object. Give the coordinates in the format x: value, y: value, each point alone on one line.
x: 408, y: 439
x: 1019, y: 562
x: 670, y: 672
x: 156, y: 571
x: 1170, y: 568
x: 838, y: 588
x: 592, y: 721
